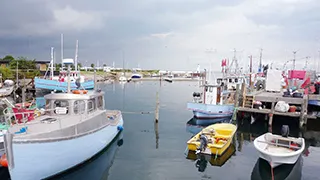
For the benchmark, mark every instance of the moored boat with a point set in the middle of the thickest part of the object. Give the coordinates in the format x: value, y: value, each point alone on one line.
x: 214, y: 139
x: 278, y: 149
x: 212, y: 103
x: 74, y: 128
x: 169, y: 78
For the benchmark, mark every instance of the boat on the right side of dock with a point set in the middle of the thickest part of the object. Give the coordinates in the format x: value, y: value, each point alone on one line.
x: 278, y: 149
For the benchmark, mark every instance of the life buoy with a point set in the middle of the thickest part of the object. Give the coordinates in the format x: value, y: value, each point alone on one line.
x: 80, y: 91
x: 3, y: 161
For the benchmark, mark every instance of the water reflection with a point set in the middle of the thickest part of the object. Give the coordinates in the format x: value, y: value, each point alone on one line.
x: 262, y: 171
x: 201, y: 160
x: 97, y: 167
x: 156, y: 131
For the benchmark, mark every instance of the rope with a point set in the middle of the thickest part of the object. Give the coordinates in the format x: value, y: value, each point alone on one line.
x: 216, y: 155
x: 272, y: 176
x: 234, y: 115
x: 142, y: 112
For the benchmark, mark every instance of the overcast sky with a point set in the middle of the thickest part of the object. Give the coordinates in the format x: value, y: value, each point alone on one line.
x: 162, y: 34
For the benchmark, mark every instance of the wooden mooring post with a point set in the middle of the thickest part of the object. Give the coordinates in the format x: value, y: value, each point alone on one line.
x: 271, y: 116
x: 303, y: 114
x: 157, y: 108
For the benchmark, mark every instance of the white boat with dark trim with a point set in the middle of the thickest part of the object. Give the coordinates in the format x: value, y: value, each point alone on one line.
x: 279, y: 150
x: 212, y: 103
x: 169, y: 78
x: 73, y: 128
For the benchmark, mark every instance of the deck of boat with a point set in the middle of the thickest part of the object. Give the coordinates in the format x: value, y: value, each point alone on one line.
x: 65, y: 125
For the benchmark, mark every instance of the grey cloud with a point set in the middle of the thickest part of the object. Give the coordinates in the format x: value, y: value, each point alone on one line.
x: 30, y: 28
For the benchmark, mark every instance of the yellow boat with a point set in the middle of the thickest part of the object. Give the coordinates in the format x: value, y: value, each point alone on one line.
x: 219, y: 137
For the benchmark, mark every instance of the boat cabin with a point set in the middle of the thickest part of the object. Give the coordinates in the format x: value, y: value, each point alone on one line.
x: 231, y: 81
x: 73, y: 104
x: 212, y: 94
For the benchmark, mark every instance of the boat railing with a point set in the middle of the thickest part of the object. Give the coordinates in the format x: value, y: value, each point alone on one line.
x: 10, y: 117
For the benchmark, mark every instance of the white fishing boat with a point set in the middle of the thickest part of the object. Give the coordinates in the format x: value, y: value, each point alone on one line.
x: 279, y: 150
x: 122, y: 78
x: 212, y: 104
x: 72, y: 129
x: 6, y: 88
x: 59, y: 83
x: 169, y: 78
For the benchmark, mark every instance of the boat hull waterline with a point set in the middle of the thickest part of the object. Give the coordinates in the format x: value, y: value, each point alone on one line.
x: 42, y: 160
x: 210, y: 111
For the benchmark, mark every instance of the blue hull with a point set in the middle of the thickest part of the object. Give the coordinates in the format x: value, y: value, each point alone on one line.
x: 314, y: 102
x: 209, y: 111
x: 135, y: 77
x: 206, y: 122
x: 60, y: 86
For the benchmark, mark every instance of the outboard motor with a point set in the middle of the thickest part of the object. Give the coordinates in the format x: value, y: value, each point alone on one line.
x: 285, y: 131
x: 203, y: 143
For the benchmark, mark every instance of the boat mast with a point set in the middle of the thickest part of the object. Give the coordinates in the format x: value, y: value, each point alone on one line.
x: 61, y: 46
x: 250, y: 76
x: 124, y: 72
x: 51, y: 63
x: 69, y: 83
x: 76, y: 58
x: 260, y: 61
x: 294, y: 60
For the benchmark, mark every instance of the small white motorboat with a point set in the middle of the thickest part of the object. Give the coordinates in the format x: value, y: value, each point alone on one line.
x: 169, y: 78
x: 123, y: 79
x: 278, y: 149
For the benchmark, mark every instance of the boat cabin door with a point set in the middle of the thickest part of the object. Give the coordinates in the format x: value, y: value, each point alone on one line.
x: 211, y: 95
x: 218, y: 95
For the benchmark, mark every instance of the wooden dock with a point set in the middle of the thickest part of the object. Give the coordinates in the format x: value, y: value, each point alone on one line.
x: 269, y: 97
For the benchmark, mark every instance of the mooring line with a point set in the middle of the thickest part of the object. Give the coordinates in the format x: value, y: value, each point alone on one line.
x: 142, y: 112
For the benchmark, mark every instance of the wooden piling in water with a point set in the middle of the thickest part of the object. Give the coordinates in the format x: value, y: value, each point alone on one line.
x: 157, y: 108
x: 303, y: 114
x: 236, y: 99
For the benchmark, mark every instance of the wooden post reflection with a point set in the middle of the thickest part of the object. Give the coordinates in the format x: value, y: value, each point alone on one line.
x: 156, y: 131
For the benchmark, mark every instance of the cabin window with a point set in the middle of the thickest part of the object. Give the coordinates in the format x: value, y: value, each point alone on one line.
x: 91, y: 105
x: 210, y: 89
x: 236, y: 80
x: 230, y: 80
x: 61, y: 107
x: 79, y: 107
x: 100, y: 102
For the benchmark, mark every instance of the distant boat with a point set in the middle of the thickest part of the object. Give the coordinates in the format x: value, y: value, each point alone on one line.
x: 123, y: 79
x: 169, y: 78
x: 6, y: 91
x: 279, y: 150
x: 59, y: 83
x: 60, y: 86
x: 136, y: 76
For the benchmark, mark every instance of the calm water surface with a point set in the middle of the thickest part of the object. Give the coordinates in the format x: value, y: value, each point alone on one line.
x: 158, y: 151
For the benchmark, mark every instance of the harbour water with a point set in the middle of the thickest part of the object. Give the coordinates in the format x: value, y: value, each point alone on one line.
x: 153, y: 151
